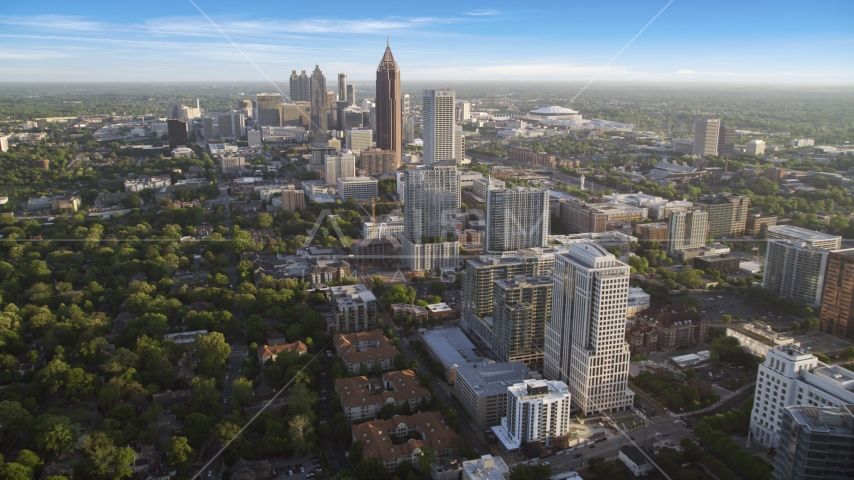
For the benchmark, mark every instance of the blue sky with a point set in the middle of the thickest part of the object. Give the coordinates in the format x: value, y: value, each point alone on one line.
x: 691, y: 41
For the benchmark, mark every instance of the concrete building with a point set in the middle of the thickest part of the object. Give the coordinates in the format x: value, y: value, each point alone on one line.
x: 359, y: 139
x: 431, y: 199
x: 268, y: 110
x: 388, y: 226
x: 254, y: 138
x: 706, y: 131
x: 837, y: 300
x: 755, y: 147
x: 177, y: 133
x: 726, y: 141
x: 389, y: 126
x: 482, y: 389
x: 522, y: 306
x: 638, y: 300
x: 757, y: 225
x: 480, y: 186
x: 208, y: 128
x: 686, y: 230
x: 516, y: 218
x: 526, y: 155
x: 364, y: 348
x: 338, y: 166
x: 451, y: 348
x: 281, y: 134
x: 355, y: 308
x: 438, y: 126
x: 792, y: 376
x: 815, y: 443
x: 795, y: 270
x: 292, y: 199
x: 683, y: 146
x: 231, y: 125
x: 651, y: 232
x: 232, y: 164
x: 377, y: 162
x: 538, y: 411
x: 360, y: 188
x: 152, y: 182
x: 585, y: 346
x: 485, y: 468
x: 363, y: 397
x: 459, y: 145
x: 721, y: 263
x: 426, y: 430
x: 581, y: 217
x: 758, y: 339
x: 808, y: 237
x: 803, y: 142
x: 4, y: 143
x: 727, y: 214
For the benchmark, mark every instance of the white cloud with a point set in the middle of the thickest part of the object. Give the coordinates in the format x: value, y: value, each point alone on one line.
x: 54, y: 22
x: 685, y: 72
x: 29, y: 54
x: 483, y: 13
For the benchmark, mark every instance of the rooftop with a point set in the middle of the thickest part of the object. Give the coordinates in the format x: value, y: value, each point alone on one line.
x: 377, y: 442
x: 493, y: 378
x: 486, y: 468
x: 801, y: 233
x: 553, y: 110
x: 396, y: 386
x: 451, y: 346
x: 835, y: 420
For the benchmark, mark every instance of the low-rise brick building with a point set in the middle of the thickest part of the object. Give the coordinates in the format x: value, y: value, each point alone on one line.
x: 362, y: 397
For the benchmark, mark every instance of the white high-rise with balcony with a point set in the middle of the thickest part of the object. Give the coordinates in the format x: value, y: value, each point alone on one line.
x: 516, y: 218
x: 585, y: 337
x: 537, y: 410
x: 687, y: 230
x: 438, y: 126
x: 795, y: 270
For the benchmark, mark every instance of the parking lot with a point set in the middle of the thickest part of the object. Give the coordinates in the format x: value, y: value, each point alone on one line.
x: 716, y: 304
x: 720, y: 375
x: 299, y: 468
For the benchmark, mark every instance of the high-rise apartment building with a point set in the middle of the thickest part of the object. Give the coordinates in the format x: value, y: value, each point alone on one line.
x: 231, y: 125
x: 727, y: 214
x: 342, y: 87
x: 808, y: 237
x: 319, y: 102
x: 268, y: 110
x: 405, y: 106
x: 792, y: 376
x: 726, y: 141
x: 438, y: 127
x: 459, y: 144
x: 338, y: 166
x: 292, y: 199
x: 516, y: 218
x: 377, y: 162
x: 389, y: 126
x: 538, y: 411
x: 360, y: 188
x: 522, y: 306
x: 795, y: 270
x: 463, y: 111
x: 706, y: 131
x: 755, y: 147
x: 687, y: 230
x: 837, y: 301
x: 585, y: 337
x: 477, y: 290
x: 408, y: 129
x: 4, y: 143
x: 300, y: 87
x: 431, y: 200
x: 815, y: 443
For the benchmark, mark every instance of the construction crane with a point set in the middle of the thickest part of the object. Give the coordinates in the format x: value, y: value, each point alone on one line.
x: 374, y: 204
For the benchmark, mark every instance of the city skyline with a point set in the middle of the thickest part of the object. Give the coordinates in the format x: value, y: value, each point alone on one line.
x: 52, y: 41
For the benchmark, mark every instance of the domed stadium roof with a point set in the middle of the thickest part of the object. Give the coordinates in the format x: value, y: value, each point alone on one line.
x: 553, y: 110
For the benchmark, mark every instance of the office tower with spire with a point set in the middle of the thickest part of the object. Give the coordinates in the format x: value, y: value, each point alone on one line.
x: 438, y: 126
x: 431, y: 200
x: 268, y: 106
x: 585, y: 337
x: 319, y: 103
x: 342, y: 87
x: 389, y: 128
x: 300, y: 87
x: 687, y: 230
x: 706, y: 131
x: 516, y: 218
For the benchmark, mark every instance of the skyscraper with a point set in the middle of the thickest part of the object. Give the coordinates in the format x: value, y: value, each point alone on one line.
x: 523, y: 305
x: 795, y: 270
x: 516, y: 218
x: 268, y: 106
x: 706, y: 131
x: 351, y: 94
x: 389, y: 128
x: 207, y: 128
x: 585, y: 337
x: 405, y: 104
x: 687, y: 230
x: 342, y: 87
x: 726, y: 141
x: 177, y: 132
x: 319, y: 102
x: 231, y: 125
x: 431, y: 200
x: 438, y: 126
x: 837, y: 302
x: 338, y: 166
x: 300, y: 87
